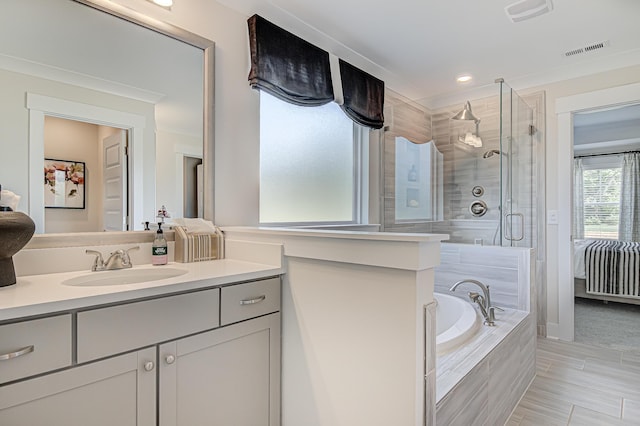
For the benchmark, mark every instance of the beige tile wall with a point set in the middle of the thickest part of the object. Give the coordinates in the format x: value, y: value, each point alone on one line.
x: 464, y: 168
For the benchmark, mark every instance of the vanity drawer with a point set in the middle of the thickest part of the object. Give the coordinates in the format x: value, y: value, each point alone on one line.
x: 243, y: 301
x: 115, y: 329
x: 34, y: 347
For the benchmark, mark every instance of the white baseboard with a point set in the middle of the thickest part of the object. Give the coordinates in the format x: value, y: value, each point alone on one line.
x: 553, y: 330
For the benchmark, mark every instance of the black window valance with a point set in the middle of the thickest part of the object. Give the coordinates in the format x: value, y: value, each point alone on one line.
x: 296, y: 71
x: 363, y: 96
x: 288, y: 67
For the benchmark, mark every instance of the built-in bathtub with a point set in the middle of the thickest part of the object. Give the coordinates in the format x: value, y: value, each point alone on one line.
x: 481, y: 380
x: 476, y: 363
x: 456, y: 322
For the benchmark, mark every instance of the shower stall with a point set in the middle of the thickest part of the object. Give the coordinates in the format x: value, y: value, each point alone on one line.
x: 487, y: 192
x: 517, y: 172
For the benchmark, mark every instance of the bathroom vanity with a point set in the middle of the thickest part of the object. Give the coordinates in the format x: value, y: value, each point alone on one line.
x: 202, y: 345
x: 357, y: 334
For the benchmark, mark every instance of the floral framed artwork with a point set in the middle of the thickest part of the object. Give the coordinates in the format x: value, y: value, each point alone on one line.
x: 64, y: 184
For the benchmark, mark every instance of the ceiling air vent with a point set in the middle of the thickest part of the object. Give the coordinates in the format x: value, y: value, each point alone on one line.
x: 586, y: 49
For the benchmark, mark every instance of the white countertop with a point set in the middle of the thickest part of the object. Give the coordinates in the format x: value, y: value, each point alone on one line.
x: 410, y: 251
x: 46, y: 293
x: 338, y: 234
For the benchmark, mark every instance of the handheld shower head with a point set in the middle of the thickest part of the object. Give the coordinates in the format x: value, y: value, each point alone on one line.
x: 492, y: 152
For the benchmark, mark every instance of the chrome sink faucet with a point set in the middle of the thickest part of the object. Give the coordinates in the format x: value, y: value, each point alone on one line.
x: 118, y: 259
x: 483, y: 301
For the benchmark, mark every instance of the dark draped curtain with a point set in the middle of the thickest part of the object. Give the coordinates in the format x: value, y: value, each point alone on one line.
x: 363, y: 96
x: 287, y: 66
x: 298, y: 72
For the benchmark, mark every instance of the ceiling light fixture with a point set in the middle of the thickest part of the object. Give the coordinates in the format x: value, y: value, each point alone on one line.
x: 527, y: 9
x: 465, y: 78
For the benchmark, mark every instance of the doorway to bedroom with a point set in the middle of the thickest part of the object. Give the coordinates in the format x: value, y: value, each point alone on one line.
x: 606, y: 226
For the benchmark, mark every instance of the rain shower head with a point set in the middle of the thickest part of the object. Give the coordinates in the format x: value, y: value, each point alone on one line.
x: 466, y: 114
x: 468, y: 137
x: 492, y: 152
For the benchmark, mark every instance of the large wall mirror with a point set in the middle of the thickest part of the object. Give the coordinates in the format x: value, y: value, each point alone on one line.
x: 105, y: 115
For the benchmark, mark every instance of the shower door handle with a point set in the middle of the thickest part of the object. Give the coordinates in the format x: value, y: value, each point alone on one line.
x: 509, y: 219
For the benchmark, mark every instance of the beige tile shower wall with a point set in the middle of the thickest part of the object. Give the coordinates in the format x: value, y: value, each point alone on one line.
x: 536, y: 101
x: 465, y: 168
x: 412, y: 121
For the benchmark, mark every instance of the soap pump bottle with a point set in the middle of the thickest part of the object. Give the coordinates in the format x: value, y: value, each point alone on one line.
x: 159, y: 250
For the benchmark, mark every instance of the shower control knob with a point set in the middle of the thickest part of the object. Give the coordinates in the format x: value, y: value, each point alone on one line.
x: 478, y: 208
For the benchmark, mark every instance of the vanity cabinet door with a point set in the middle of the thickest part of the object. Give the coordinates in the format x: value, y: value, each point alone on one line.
x: 116, y: 391
x: 228, y: 376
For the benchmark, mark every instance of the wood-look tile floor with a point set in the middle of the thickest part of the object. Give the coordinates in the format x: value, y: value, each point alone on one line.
x: 583, y: 385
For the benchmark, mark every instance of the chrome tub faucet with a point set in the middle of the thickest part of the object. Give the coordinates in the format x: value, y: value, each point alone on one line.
x: 118, y: 259
x: 482, y: 300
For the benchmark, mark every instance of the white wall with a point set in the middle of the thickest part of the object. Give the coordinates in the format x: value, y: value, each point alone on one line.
x: 14, y: 127
x: 237, y: 119
x: 170, y: 152
x: 237, y: 167
x: 237, y: 129
x: 561, y: 201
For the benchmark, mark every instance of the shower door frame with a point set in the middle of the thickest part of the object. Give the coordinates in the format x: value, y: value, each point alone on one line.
x: 507, y: 190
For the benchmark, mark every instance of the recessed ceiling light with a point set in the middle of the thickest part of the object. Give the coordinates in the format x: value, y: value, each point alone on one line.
x: 465, y: 78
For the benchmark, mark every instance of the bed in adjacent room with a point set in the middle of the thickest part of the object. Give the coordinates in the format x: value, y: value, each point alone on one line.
x: 607, y: 270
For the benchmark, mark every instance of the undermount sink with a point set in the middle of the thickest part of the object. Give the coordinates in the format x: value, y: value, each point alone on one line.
x: 124, y: 276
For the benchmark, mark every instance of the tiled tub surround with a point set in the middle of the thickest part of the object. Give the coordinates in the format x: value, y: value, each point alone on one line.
x: 482, y: 381
x: 508, y: 271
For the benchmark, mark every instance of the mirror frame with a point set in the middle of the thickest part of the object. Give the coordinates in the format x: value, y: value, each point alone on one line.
x: 207, y: 46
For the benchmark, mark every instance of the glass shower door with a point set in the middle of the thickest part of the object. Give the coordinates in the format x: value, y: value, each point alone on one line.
x: 516, y: 170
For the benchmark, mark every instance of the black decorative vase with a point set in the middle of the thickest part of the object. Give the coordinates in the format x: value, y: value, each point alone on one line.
x: 16, y: 229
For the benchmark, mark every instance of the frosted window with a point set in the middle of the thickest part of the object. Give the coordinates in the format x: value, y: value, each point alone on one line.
x: 306, y: 163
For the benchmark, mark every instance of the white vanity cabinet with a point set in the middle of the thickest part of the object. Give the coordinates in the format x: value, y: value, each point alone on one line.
x: 228, y: 376
x: 168, y: 360
x: 116, y: 391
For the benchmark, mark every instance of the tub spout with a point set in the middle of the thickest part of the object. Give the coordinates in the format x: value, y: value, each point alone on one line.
x: 483, y: 301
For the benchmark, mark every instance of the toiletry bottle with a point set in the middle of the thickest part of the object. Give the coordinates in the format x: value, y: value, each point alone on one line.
x: 160, y: 252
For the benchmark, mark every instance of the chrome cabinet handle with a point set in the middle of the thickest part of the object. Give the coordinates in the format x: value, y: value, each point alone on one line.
x: 149, y: 365
x: 253, y: 301
x: 170, y: 359
x: 17, y: 353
